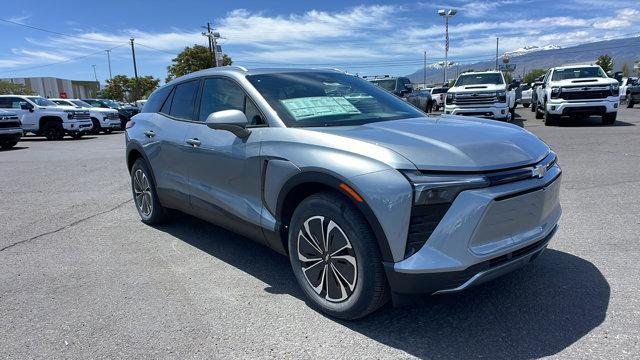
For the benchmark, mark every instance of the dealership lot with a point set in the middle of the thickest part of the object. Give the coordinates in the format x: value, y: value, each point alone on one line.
x: 81, y: 276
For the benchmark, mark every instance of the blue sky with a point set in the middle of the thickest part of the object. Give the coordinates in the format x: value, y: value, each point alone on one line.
x: 366, y: 37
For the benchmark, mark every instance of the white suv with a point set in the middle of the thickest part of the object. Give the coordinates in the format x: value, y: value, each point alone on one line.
x: 105, y: 120
x: 580, y: 90
x: 481, y: 94
x: 43, y: 117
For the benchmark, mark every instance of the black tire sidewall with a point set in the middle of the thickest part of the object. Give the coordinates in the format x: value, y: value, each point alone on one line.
x: 349, y: 219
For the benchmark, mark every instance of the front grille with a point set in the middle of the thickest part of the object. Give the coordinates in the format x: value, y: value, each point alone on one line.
x: 475, y: 98
x: 584, y: 92
x: 81, y: 115
x: 424, y: 219
x: 9, y: 124
x: 113, y: 116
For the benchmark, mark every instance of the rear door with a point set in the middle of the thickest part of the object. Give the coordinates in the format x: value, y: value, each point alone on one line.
x: 163, y: 135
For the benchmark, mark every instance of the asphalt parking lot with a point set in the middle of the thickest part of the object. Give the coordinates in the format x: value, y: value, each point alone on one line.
x: 82, y: 277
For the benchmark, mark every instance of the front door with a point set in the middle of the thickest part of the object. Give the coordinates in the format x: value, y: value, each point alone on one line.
x: 225, y: 170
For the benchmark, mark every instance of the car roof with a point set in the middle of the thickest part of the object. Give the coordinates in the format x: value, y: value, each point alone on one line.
x: 229, y: 70
x: 574, y: 66
x: 481, y: 72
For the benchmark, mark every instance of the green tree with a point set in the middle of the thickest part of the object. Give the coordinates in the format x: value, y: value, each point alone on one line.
x: 532, y: 75
x: 636, y: 66
x: 123, y: 88
x: 605, y: 62
x: 8, y: 88
x: 626, y: 71
x: 192, y: 59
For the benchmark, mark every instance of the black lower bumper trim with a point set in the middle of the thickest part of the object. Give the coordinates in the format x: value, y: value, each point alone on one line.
x: 430, y: 283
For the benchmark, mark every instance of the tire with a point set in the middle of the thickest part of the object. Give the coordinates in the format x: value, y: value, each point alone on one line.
x: 512, y: 114
x: 429, y: 107
x: 359, y: 290
x: 96, y: 126
x: 534, y: 107
x: 8, y: 145
x: 630, y: 102
x: 550, y: 120
x: 77, y: 135
x: 53, y: 130
x: 539, y: 115
x: 526, y: 105
x: 609, y: 118
x: 107, y: 131
x: 145, y: 196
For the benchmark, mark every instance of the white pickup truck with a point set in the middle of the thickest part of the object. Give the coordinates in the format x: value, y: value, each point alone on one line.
x: 580, y: 90
x: 481, y: 94
x: 43, y: 117
x: 105, y: 120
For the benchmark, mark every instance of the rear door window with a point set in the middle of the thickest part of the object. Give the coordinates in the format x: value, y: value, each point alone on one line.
x: 184, y: 98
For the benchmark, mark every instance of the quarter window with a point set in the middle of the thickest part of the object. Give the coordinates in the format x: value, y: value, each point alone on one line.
x: 223, y: 94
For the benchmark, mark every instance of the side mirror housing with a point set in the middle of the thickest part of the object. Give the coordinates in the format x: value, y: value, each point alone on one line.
x: 26, y: 106
x: 234, y: 121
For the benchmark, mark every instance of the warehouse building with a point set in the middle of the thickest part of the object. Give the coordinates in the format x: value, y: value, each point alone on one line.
x: 51, y: 87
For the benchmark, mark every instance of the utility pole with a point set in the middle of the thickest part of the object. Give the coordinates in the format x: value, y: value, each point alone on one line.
x: 424, y: 71
x: 109, y: 61
x: 497, y: 46
x: 213, y: 44
x: 94, y: 72
x: 446, y: 13
x: 135, y: 70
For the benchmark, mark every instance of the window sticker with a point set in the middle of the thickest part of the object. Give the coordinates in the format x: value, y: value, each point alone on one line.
x: 318, y: 106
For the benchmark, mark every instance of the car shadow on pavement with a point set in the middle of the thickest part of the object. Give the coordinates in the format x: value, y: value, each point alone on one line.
x: 66, y: 138
x: 14, y: 148
x: 594, y: 121
x: 536, y: 311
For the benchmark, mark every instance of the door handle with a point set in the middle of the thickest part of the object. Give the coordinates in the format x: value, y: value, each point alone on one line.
x: 149, y: 133
x: 193, y: 142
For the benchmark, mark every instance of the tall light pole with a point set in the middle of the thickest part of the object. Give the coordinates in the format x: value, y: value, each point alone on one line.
x: 94, y: 73
x: 446, y: 13
x: 109, y: 61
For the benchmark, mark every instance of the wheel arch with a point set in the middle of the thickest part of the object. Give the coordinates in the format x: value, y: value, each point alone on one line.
x: 305, y: 184
x: 135, y: 152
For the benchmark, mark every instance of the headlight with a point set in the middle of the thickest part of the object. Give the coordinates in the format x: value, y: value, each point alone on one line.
x: 501, y: 95
x: 555, y: 91
x: 450, y: 96
x: 70, y: 114
x: 442, y: 189
x: 615, y: 89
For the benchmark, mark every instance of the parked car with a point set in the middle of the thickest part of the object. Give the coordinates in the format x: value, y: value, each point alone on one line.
x: 438, y: 94
x: 534, y: 92
x: 633, y: 93
x: 481, y: 94
x: 367, y: 196
x: 524, y: 94
x: 577, y: 91
x: 625, y: 84
x: 140, y: 104
x: 399, y: 86
x: 44, y: 117
x: 421, y: 99
x: 105, y: 120
x: 126, y: 112
x: 10, y: 129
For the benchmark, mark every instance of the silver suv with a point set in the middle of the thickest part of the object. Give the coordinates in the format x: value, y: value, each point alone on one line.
x: 368, y: 197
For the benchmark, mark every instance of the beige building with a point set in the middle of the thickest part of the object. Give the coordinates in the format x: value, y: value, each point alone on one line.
x: 51, y: 87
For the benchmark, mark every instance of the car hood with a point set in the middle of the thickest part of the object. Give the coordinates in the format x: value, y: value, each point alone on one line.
x: 102, y: 110
x: 477, y: 88
x: 585, y: 82
x: 452, y: 143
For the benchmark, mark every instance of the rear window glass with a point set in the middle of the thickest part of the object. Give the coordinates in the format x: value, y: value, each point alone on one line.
x: 183, y: 103
x: 156, y: 100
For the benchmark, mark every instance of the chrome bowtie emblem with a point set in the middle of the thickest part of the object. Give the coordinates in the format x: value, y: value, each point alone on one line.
x: 539, y: 171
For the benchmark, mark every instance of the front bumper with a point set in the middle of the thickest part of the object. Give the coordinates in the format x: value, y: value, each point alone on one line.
x: 113, y: 124
x: 78, y: 125
x: 12, y: 134
x: 584, y: 107
x: 485, y: 233
x: 524, y: 100
x: 494, y: 111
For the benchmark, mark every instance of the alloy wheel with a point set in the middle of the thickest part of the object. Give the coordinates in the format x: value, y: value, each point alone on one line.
x: 142, y: 193
x: 327, y: 259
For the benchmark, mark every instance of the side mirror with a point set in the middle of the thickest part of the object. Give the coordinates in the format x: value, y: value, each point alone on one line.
x: 234, y: 121
x: 26, y: 106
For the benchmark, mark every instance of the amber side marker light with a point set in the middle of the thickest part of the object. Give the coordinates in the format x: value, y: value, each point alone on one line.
x: 129, y: 124
x: 351, y: 192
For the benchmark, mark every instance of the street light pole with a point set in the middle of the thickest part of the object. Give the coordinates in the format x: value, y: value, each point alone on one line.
x: 109, y: 61
x: 94, y: 73
x: 446, y: 13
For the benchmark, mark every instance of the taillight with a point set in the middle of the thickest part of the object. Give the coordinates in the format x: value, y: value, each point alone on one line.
x: 129, y: 124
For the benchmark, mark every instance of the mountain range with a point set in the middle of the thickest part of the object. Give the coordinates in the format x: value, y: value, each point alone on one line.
x: 531, y: 57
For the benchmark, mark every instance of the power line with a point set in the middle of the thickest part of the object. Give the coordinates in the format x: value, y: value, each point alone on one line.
x: 58, y: 33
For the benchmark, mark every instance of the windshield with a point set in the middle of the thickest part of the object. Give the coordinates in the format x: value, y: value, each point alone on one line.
x: 97, y: 103
x: 304, y: 99
x: 477, y: 79
x: 389, y: 85
x: 577, y: 73
x: 40, y: 101
x: 80, y: 103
